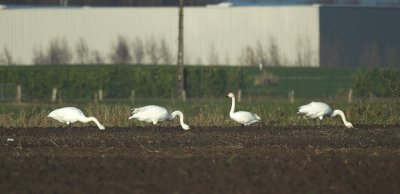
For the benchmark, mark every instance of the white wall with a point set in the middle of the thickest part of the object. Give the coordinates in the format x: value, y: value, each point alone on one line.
x: 222, y: 31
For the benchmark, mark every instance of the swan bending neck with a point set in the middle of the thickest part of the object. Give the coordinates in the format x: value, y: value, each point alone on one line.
x: 341, y: 114
x: 180, y: 114
x: 88, y: 119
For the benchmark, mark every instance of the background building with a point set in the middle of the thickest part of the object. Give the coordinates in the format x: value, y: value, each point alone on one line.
x: 309, y: 35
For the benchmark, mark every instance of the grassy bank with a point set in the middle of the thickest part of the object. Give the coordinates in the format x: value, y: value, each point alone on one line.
x: 207, y: 112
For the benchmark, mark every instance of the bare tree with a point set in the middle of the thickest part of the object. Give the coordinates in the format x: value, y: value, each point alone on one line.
x: 248, y: 57
x: 138, y: 51
x: 165, y: 53
x: 261, y: 55
x: 274, y: 53
x: 82, y: 52
x: 152, y: 51
x: 39, y: 58
x: 59, y: 52
x: 6, y: 57
x: 96, y: 57
x: 3, y: 60
x: 121, y: 54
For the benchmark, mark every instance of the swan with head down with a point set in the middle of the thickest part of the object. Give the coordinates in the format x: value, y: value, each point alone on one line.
x: 71, y: 115
x: 154, y: 114
x: 320, y: 110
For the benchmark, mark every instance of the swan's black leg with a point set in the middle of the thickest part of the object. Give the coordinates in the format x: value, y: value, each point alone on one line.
x: 69, y: 128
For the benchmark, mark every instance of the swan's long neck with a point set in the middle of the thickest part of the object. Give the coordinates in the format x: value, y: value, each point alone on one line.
x: 180, y: 114
x: 88, y: 119
x: 341, y: 114
x: 233, y: 106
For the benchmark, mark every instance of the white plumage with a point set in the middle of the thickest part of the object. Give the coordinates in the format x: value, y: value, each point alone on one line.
x: 243, y: 117
x: 320, y: 110
x: 71, y: 115
x: 154, y: 114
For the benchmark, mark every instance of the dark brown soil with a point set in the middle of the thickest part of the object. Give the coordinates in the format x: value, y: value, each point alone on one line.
x: 328, y: 159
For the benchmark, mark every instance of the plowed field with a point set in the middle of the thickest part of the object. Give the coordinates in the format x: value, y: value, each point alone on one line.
x: 257, y: 159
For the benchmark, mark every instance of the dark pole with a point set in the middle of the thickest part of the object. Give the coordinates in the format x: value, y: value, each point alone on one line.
x: 179, y: 73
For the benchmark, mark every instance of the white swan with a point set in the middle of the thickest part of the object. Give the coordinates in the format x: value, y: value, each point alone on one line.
x: 154, y: 114
x: 243, y: 117
x: 71, y: 115
x: 320, y: 110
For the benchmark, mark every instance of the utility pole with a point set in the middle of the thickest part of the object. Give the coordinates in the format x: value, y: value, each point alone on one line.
x: 180, y: 76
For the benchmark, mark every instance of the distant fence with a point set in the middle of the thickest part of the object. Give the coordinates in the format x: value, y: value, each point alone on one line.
x: 115, y: 81
x: 53, y: 83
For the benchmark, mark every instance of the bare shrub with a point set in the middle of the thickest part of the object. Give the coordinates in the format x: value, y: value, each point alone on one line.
x: 96, y: 57
x: 2, y: 59
x: 59, y: 52
x: 255, y: 56
x: 165, y: 53
x: 138, y: 51
x: 82, y: 52
x: 6, y: 57
x: 39, y: 58
x: 248, y: 57
x: 120, y: 53
x: 274, y: 53
x: 152, y: 51
x: 261, y: 56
